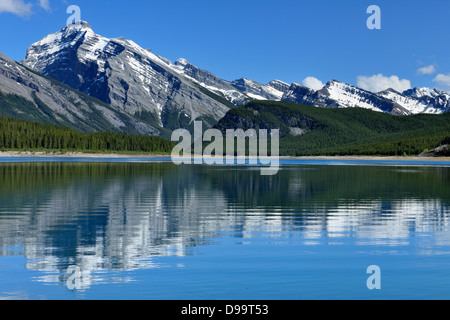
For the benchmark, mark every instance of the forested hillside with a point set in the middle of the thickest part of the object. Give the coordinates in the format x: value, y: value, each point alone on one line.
x: 24, y: 135
x: 307, y: 131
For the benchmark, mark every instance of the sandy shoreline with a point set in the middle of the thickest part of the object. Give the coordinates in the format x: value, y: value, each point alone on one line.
x: 24, y: 154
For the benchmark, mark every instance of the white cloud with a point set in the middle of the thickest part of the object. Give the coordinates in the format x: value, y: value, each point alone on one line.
x: 18, y: 7
x: 427, y: 70
x: 377, y: 83
x: 22, y: 8
x: 45, y: 4
x: 313, y: 83
x: 443, y: 80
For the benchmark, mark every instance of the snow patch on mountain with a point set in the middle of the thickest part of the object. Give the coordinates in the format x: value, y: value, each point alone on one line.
x: 412, y: 104
x: 340, y: 95
x: 350, y: 97
x: 257, y: 90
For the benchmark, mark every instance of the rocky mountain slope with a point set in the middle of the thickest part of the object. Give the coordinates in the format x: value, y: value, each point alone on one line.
x: 340, y: 95
x: 27, y: 95
x: 118, y: 72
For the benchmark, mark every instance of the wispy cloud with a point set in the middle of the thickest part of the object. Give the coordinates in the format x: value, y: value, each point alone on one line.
x: 17, y: 7
x: 379, y: 82
x: 443, y: 80
x: 427, y: 70
x: 45, y: 4
x: 22, y: 8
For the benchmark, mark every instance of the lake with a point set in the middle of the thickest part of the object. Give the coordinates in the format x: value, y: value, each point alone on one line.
x: 147, y: 229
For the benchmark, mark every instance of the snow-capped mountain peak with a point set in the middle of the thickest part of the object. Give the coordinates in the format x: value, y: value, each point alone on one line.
x: 423, y: 92
x: 435, y: 101
x: 337, y: 94
x: 124, y: 75
x: 412, y: 104
x: 47, y: 50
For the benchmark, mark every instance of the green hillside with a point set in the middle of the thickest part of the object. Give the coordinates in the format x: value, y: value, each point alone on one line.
x: 351, y: 131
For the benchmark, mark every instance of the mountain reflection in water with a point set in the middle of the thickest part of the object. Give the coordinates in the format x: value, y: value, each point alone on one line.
x: 116, y: 217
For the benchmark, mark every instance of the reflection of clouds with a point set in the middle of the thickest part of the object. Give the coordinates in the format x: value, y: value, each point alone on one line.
x: 372, y: 223
x: 14, y: 296
x: 259, y: 221
x: 381, y: 223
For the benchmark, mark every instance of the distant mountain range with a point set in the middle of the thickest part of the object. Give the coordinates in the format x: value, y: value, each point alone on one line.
x: 80, y: 79
x: 340, y: 95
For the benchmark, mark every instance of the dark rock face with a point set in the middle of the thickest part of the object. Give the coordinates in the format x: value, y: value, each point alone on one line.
x: 279, y: 85
x: 303, y: 95
x: 442, y: 151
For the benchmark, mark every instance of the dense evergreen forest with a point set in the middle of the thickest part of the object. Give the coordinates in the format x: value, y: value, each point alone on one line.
x: 351, y: 131
x: 24, y: 135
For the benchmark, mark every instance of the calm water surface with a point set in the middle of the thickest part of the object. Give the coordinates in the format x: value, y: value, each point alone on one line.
x: 151, y: 230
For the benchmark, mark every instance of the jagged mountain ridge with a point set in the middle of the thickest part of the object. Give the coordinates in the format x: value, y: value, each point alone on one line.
x: 165, y: 96
x: 122, y: 74
x: 340, y: 95
x: 334, y: 95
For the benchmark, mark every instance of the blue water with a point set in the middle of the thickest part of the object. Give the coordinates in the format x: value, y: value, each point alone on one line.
x: 147, y: 229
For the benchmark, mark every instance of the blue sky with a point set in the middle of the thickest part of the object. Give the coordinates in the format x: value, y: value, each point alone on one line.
x: 290, y: 40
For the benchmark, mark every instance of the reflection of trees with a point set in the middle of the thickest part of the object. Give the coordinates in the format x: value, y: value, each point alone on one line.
x: 118, y: 216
